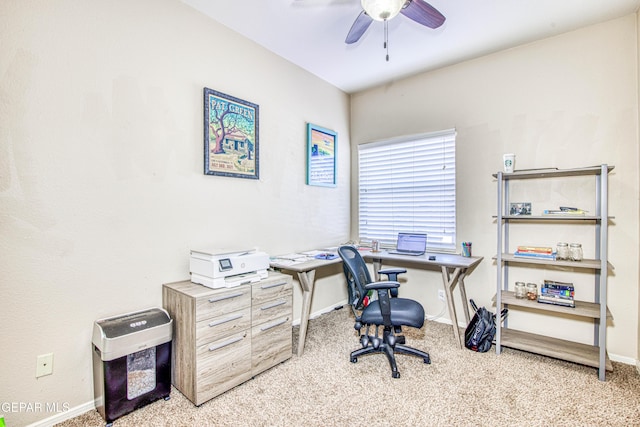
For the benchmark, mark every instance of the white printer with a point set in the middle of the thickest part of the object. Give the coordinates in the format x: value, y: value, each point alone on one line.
x: 225, y: 269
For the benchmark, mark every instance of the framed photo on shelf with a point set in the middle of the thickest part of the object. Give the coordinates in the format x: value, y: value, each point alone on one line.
x: 321, y: 156
x: 521, y: 208
x: 231, y: 136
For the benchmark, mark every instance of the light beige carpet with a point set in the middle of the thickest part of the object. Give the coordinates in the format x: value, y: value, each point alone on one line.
x: 459, y: 388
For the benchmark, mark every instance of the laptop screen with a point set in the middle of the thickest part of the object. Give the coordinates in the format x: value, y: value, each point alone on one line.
x: 412, y: 242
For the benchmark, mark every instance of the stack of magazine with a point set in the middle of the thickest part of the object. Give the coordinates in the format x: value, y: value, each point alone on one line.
x: 539, y: 252
x: 558, y: 293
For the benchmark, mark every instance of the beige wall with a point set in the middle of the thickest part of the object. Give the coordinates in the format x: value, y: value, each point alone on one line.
x: 568, y: 101
x: 102, y: 192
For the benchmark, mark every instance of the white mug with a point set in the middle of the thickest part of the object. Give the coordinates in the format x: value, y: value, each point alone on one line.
x: 509, y: 162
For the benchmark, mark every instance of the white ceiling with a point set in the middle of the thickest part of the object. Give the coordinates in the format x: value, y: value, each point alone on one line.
x: 311, y: 33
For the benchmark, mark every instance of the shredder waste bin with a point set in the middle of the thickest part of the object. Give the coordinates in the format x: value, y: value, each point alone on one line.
x: 131, y: 361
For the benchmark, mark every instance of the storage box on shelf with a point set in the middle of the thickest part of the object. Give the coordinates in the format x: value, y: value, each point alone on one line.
x: 591, y: 355
x: 225, y: 336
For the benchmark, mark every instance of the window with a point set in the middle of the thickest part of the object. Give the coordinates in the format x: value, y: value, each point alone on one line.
x: 409, y: 185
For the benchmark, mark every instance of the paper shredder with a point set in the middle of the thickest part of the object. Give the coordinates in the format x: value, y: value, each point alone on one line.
x: 131, y: 361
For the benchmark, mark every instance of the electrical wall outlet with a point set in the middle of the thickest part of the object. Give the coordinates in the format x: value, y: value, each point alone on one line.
x: 44, y: 365
x: 441, y: 294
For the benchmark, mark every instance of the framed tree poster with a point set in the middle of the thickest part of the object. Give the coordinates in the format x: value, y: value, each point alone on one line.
x: 321, y: 156
x: 230, y: 136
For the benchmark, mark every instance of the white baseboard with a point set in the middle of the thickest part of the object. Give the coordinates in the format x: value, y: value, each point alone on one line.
x: 318, y: 313
x: 623, y: 359
x: 66, y: 415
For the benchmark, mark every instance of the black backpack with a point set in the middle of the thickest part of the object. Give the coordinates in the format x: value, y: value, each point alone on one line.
x: 482, y: 329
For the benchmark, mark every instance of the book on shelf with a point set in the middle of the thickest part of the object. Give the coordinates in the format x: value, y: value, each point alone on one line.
x: 559, y: 293
x: 535, y: 255
x: 535, y: 249
x: 557, y: 301
x: 554, y: 284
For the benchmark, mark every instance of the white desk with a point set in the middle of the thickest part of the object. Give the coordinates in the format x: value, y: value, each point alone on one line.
x: 454, y: 268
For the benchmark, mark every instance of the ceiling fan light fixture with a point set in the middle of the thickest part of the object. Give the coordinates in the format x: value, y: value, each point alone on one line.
x: 382, y: 10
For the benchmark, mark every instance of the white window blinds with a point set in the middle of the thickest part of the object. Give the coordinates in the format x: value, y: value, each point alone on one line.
x: 409, y: 185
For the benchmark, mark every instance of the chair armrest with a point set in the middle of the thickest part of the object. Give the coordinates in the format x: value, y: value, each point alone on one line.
x: 392, y: 275
x: 382, y: 285
x: 392, y: 271
x: 384, y: 290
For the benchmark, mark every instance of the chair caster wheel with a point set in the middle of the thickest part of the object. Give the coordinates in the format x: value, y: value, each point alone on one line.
x: 427, y: 361
x: 395, y: 374
x: 364, y: 340
x: 354, y: 359
x: 391, y: 340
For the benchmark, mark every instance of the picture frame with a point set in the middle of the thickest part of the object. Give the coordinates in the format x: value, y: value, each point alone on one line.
x: 322, y: 144
x: 231, y: 136
x: 519, y: 208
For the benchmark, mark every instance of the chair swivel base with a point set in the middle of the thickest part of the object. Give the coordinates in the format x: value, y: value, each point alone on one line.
x: 390, y: 352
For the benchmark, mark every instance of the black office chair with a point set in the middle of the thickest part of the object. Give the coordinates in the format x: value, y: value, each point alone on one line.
x: 387, y: 311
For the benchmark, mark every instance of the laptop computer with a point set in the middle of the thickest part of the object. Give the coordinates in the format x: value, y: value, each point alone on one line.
x: 410, y: 244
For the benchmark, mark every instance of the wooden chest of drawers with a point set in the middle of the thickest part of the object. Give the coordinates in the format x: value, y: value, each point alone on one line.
x: 225, y: 336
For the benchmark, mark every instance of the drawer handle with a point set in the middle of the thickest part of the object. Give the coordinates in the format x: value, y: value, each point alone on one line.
x: 275, y: 304
x: 228, y: 319
x: 273, y: 325
x: 224, y: 297
x: 273, y: 285
x: 226, y: 343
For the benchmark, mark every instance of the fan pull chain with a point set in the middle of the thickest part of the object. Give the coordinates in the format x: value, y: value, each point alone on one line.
x: 386, y: 38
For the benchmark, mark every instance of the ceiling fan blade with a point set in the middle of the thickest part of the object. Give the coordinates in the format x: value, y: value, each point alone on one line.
x: 423, y: 13
x: 358, y: 28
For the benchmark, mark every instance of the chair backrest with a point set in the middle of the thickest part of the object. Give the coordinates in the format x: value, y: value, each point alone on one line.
x: 356, y: 273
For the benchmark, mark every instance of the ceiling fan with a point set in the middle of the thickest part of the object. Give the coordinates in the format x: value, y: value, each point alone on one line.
x: 383, y: 10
